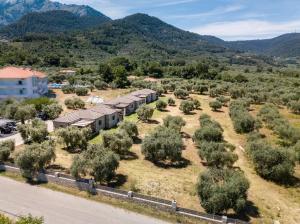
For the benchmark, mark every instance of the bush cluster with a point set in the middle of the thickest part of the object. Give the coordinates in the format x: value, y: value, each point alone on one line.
x: 242, y: 120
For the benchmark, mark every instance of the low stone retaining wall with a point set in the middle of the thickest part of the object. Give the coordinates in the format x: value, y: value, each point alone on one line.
x: 157, y: 203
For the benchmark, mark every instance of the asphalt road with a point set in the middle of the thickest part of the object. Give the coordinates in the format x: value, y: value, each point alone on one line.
x: 18, y: 198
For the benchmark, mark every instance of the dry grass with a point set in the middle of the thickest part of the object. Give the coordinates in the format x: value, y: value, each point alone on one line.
x: 270, y: 201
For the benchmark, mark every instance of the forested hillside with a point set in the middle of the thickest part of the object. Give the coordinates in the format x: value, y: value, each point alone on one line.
x: 287, y: 45
x: 49, y: 22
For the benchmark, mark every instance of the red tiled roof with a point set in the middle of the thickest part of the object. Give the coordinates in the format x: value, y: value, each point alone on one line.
x: 19, y: 73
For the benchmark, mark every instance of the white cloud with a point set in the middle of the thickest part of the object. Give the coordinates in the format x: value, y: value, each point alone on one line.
x: 214, y: 12
x: 107, y: 7
x: 171, y: 3
x: 247, y: 29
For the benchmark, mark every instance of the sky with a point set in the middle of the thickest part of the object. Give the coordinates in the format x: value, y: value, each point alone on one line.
x: 226, y: 19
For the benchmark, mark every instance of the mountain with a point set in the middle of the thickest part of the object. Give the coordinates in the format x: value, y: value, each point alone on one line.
x: 287, y: 45
x: 13, y: 10
x: 49, y: 22
x: 139, y: 36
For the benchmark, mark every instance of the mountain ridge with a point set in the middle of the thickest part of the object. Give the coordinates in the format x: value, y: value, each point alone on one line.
x: 13, y: 10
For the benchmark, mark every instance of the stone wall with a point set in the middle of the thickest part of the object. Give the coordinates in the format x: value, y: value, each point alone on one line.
x: 143, y: 200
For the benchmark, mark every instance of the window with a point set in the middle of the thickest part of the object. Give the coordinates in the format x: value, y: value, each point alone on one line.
x: 20, y: 82
x: 21, y: 91
x: 100, y: 123
x: 114, y: 117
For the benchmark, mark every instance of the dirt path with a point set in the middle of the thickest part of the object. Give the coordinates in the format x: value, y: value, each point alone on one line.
x: 274, y: 202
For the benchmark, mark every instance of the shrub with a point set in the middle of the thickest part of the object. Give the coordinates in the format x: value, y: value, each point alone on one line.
x: 74, y: 103
x: 130, y: 128
x: 74, y: 138
x: 215, y: 105
x: 36, y: 131
x: 294, y: 106
x: 243, y: 122
x: 81, y: 91
x: 52, y: 111
x: 186, y: 106
x: 6, y: 148
x: 118, y: 142
x: 208, y: 133
x: 98, y: 162
x: 24, y: 113
x: 174, y: 122
x: 205, y: 120
x: 68, y: 89
x: 181, y: 93
x: 200, y: 88
x: 216, y: 154
x: 163, y: 144
x: 171, y: 101
x: 271, y: 163
x: 221, y: 190
x: 224, y: 100
x: 161, y: 105
x: 197, y: 104
x: 145, y: 113
x: 30, y: 220
x: 34, y: 158
x: 100, y: 85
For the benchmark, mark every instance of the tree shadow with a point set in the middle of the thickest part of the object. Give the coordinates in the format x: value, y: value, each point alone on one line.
x: 51, y: 94
x: 164, y: 110
x: 183, y: 163
x: 152, y: 122
x: 190, y: 113
x: 118, y: 181
x: 250, y: 211
x: 185, y: 135
x: 218, y: 111
x: 130, y: 156
x: 137, y: 140
x: 56, y: 167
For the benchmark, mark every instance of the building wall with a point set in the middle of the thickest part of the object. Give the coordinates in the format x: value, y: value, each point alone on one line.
x: 100, y: 124
x: 112, y: 120
x: 23, y: 88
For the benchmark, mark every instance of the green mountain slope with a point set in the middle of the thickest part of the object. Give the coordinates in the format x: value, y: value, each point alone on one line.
x: 287, y: 45
x: 49, y: 22
x: 12, y: 10
x: 138, y: 36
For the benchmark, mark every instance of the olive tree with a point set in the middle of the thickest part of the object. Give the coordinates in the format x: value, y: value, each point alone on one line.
x: 163, y: 144
x: 208, y: 133
x: 25, y: 112
x: 74, y: 138
x: 294, y: 106
x: 74, y: 103
x: 52, y: 111
x: 197, y: 104
x: 161, y: 105
x: 36, y: 131
x: 34, y: 158
x: 174, y: 122
x: 97, y: 161
x: 215, y: 105
x: 186, y: 106
x: 145, y: 113
x: 119, y: 142
x: 81, y: 91
x: 220, y: 190
x: 171, y: 101
x: 6, y: 148
x: 181, y: 93
x: 130, y: 128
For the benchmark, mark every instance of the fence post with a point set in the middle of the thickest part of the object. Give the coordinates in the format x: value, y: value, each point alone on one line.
x: 224, y: 220
x: 174, y: 205
x: 92, y: 186
x: 130, y: 194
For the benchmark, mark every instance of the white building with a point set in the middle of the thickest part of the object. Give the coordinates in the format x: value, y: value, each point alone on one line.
x: 22, y: 83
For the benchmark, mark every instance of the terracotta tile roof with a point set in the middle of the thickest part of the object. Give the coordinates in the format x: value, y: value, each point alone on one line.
x: 19, y: 73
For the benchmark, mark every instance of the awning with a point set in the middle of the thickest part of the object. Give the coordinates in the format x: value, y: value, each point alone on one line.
x: 82, y: 123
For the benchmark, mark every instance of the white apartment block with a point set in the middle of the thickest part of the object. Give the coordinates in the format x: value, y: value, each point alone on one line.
x: 22, y: 83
